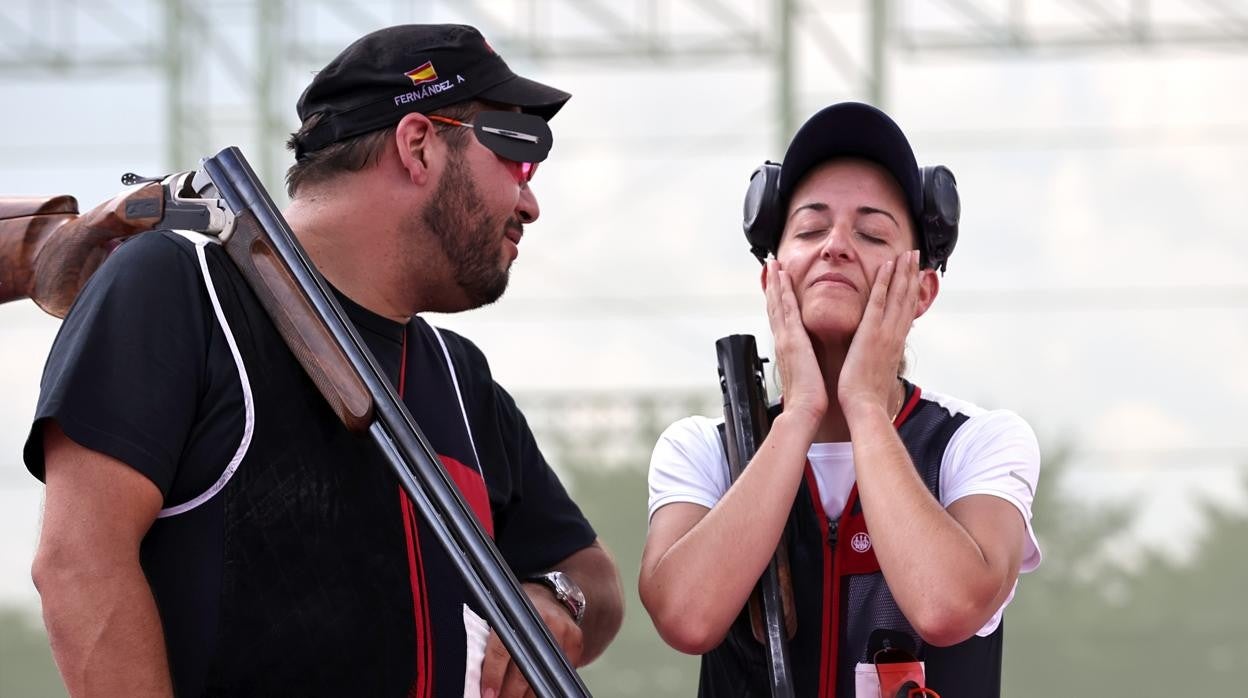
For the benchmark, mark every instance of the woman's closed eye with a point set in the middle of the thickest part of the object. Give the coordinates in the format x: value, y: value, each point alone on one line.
x: 873, y: 238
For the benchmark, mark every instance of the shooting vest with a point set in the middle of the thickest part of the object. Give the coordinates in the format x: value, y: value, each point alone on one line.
x: 841, y: 595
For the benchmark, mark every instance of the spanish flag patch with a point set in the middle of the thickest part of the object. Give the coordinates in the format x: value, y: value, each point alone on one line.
x: 423, y: 74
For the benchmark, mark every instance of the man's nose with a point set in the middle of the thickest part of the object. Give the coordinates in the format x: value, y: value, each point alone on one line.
x: 527, y: 209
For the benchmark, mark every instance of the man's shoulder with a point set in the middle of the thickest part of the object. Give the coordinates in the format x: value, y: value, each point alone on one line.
x: 156, y: 247
x: 155, y: 270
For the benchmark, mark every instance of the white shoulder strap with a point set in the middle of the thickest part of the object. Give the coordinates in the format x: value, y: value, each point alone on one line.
x: 459, y: 395
x: 249, y: 413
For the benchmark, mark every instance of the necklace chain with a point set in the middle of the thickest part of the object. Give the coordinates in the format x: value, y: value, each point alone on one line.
x: 901, y: 402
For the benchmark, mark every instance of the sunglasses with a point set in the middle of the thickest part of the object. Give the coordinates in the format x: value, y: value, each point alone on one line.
x: 524, y: 139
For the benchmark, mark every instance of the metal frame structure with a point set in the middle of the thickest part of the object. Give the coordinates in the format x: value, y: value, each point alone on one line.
x: 1030, y: 26
x: 265, y: 48
x: 273, y: 44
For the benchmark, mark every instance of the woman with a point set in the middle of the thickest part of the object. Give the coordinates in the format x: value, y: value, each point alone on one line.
x: 910, y: 511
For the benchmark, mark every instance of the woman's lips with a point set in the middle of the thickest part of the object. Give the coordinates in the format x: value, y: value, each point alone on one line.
x: 834, y: 278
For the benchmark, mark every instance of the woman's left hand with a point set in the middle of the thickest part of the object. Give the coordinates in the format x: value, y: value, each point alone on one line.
x: 869, y: 375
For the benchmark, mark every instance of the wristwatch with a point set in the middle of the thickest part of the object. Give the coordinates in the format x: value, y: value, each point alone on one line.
x: 566, y: 591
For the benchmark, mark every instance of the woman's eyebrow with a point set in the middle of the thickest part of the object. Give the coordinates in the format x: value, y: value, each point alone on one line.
x: 864, y: 210
x: 813, y: 206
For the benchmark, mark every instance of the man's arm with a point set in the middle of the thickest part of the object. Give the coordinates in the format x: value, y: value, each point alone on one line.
x: 101, y: 617
x: 594, y: 571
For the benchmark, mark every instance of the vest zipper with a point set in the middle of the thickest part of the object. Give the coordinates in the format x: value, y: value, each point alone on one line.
x: 832, y: 597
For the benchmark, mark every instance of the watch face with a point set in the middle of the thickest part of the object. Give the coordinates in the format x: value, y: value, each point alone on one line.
x: 568, y: 593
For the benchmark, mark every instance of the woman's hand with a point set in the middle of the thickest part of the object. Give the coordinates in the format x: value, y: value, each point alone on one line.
x: 800, y: 376
x: 868, y: 377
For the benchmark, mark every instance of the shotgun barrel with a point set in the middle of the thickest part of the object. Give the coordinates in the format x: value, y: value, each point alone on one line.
x: 743, y: 383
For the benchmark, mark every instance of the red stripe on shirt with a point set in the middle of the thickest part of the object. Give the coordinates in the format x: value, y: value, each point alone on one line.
x: 422, y: 686
x: 472, y: 487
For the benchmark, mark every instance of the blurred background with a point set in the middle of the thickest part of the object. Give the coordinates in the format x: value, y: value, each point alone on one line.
x: 1096, y: 288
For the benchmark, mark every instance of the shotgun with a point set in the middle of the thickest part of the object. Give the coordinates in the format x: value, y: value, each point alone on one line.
x: 225, y: 199
x: 746, y: 423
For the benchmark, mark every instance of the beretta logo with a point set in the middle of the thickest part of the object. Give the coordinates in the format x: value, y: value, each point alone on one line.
x: 861, y: 542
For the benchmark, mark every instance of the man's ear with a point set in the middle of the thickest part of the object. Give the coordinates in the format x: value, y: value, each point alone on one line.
x: 416, y: 145
x: 929, y: 287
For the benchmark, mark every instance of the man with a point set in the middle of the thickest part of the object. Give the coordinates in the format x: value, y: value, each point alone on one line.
x: 209, y: 527
x: 909, y: 511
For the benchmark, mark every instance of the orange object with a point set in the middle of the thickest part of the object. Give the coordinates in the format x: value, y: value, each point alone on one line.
x: 894, y: 675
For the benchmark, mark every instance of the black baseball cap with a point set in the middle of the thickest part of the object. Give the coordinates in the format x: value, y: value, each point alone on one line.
x: 853, y: 129
x: 408, y: 68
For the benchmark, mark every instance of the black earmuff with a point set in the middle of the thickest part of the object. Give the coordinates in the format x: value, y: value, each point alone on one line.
x: 939, y: 221
x: 763, y: 220
x: 764, y: 211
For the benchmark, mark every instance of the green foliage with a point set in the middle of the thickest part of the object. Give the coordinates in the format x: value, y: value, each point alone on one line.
x: 1080, y: 627
x: 638, y: 663
x: 26, y: 667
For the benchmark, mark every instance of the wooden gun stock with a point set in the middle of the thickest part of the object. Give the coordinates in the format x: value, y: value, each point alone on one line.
x: 48, y: 251
x: 297, y: 321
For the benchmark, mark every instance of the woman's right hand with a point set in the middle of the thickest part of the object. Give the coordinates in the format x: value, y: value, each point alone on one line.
x: 800, y: 376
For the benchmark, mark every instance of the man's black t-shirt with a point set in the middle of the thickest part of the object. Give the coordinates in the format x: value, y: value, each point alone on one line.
x: 286, y: 559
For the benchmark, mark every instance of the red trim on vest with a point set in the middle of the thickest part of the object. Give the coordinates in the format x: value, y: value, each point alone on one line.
x: 472, y: 487
x: 857, y: 556
x: 422, y: 686
x: 908, y: 407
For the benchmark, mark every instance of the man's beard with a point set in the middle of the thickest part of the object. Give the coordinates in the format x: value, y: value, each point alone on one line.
x: 469, y: 240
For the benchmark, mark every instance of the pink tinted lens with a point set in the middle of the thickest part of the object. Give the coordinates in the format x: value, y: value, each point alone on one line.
x: 527, y: 170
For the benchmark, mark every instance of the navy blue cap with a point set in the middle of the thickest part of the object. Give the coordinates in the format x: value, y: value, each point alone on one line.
x: 853, y: 129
